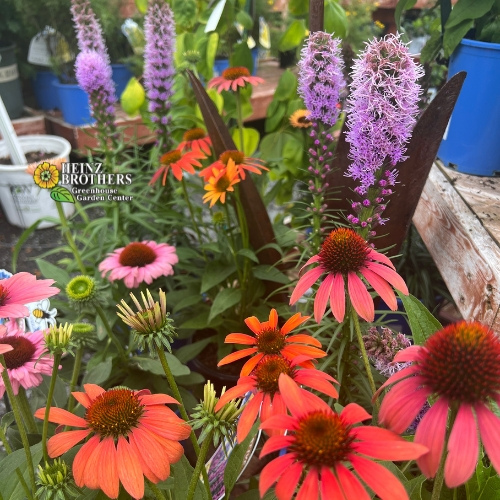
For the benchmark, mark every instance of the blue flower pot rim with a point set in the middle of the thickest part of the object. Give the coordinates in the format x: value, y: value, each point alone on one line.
x: 479, y: 44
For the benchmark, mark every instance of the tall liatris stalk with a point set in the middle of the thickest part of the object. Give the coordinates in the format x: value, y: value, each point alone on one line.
x: 159, y: 32
x: 382, y: 110
x: 321, y: 82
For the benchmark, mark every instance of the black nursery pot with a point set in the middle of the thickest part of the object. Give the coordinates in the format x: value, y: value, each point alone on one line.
x: 288, y: 58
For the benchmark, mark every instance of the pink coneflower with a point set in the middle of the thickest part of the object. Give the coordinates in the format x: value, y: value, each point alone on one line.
x: 140, y: 262
x: 196, y: 139
x: 319, y: 442
x: 133, y: 434
x: 263, y: 383
x: 460, y: 367
x: 21, y: 289
x: 241, y: 161
x: 232, y: 78
x: 177, y: 162
x: 27, y: 361
x: 344, y: 256
x: 271, y: 339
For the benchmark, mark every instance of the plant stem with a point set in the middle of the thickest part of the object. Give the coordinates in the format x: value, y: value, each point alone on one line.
x: 111, y: 335
x: 158, y: 494
x: 74, y: 377
x: 19, y: 421
x: 200, y: 463
x: 177, y: 395
x: 20, y: 476
x: 366, y: 362
x: 239, y: 117
x: 69, y: 237
x: 191, y: 212
x: 45, y: 428
x: 24, y: 406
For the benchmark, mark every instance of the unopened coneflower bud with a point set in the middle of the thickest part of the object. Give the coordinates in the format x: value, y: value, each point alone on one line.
x: 84, y: 335
x: 56, y: 482
x: 58, y: 339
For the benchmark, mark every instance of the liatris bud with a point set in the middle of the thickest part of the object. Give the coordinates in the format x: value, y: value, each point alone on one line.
x: 93, y: 73
x: 159, y: 32
x: 321, y: 79
x: 88, y: 29
x: 82, y: 292
x: 55, y: 482
x: 221, y: 423
x: 83, y: 335
x: 58, y: 339
x: 151, y: 324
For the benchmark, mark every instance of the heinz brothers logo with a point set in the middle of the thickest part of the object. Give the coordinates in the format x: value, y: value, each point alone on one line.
x: 49, y: 176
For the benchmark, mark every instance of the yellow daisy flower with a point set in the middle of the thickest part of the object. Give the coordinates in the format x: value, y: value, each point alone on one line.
x: 299, y: 119
x: 46, y: 175
x: 220, y: 183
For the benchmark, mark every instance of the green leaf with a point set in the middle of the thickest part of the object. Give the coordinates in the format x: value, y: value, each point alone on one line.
x: 422, y: 323
x: 335, y: 19
x: 432, y: 47
x: 188, y: 352
x: 188, y: 301
x: 154, y: 365
x: 182, y: 473
x: 99, y: 373
x: 293, y: 36
x: 467, y: 10
x: 39, y: 394
x: 211, y: 51
x: 287, y: 87
x: 271, y: 146
x: 225, y: 299
x: 215, y: 272
x: 270, y: 273
x: 133, y: 97
x: 142, y: 6
x: 242, y: 56
x: 50, y: 271
x: 250, y: 140
x: 453, y: 36
x: 246, y: 252
x: 275, y: 113
x: 18, y: 459
x: 236, y: 460
x: 400, y: 7
x: 61, y: 194
x: 298, y: 7
x: 293, y: 151
x: 244, y: 19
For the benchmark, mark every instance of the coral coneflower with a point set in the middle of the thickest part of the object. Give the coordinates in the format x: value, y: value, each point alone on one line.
x: 271, y: 339
x: 177, y: 162
x: 319, y: 442
x: 232, y: 78
x: 196, y: 139
x: 460, y: 367
x: 300, y: 119
x: 263, y: 383
x: 344, y: 256
x: 133, y: 434
x: 20, y: 289
x: 28, y: 359
x: 221, y: 182
x: 239, y: 159
x: 139, y: 262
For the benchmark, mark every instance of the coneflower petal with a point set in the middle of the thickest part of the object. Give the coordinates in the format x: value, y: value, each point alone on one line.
x: 285, y: 487
x: 360, y: 298
x: 337, y: 298
x: 322, y: 296
x: 309, y: 488
x: 304, y: 283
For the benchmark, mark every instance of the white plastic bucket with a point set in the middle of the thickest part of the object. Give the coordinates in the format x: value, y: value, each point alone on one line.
x: 23, y: 202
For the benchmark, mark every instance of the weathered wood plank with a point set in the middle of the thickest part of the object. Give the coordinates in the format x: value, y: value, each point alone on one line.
x: 464, y: 251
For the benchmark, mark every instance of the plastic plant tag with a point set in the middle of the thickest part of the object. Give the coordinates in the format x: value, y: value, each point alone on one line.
x: 49, y: 44
x: 134, y: 35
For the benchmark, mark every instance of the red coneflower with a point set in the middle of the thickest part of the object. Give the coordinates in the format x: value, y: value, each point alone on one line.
x: 239, y: 159
x: 196, y: 139
x: 271, y: 339
x: 133, y: 435
x: 263, y: 383
x: 178, y: 162
x: 232, y: 78
x: 319, y: 442
x: 344, y: 256
x: 460, y: 367
x: 221, y: 182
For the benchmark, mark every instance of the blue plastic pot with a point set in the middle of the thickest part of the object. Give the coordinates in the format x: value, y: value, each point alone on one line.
x: 471, y: 143
x: 121, y: 76
x: 45, y: 91
x: 74, y: 104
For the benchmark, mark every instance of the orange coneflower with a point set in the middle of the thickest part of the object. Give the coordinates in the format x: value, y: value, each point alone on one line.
x: 196, y: 139
x: 263, y: 383
x: 320, y: 443
x: 178, y: 162
x: 241, y: 161
x: 271, y: 339
x: 221, y: 182
x: 133, y: 435
x: 344, y: 257
x: 232, y: 78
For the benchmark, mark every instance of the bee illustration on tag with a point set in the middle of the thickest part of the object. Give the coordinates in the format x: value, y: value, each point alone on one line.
x: 41, y: 316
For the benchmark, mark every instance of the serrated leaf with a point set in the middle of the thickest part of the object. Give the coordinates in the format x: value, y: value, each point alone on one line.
x: 215, y: 273
x: 53, y: 272
x: 225, y: 299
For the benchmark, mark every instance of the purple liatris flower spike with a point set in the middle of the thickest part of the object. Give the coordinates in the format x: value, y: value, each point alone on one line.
x: 382, y: 110
x: 321, y: 77
x: 93, y: 74
x: 88, y: 30
x: 159, y: 32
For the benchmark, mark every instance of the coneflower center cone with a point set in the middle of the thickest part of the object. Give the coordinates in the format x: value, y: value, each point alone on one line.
x: 270, y: 341
x: 268, y: 371
x: 322, y: 439
x: 22, y: 351
x: 462, y: 363
x: 237, y: 156
x: 137, y: 255
x: 170, y: 157
x: 343, y: 251
x: 235, y: 73
x: 222, y: 184
x: 114, y: 413
x: 194, y: 134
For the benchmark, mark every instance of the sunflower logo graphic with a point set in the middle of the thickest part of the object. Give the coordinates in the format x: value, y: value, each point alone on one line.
x: 46, y: 176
